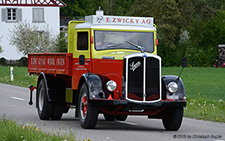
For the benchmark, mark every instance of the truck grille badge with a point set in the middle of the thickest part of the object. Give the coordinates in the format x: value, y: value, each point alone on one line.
x: 133, y: 66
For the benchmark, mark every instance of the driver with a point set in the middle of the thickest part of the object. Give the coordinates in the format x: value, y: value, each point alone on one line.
x: 100, y: 40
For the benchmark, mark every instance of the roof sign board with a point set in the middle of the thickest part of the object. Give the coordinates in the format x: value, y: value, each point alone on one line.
x: 100, y: 19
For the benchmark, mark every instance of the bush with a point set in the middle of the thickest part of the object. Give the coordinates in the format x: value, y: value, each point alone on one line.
x: 2, y: 61
x: 23, y: 62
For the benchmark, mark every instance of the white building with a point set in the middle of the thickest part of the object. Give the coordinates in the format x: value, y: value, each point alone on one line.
x: 39, y: 12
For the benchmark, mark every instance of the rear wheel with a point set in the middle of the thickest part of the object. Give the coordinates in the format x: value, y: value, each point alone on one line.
x: 121, y: 117
x: 109, y: 117
x: 88, y: 114
x: 58, y: 110
x: 44, y: 107
x: 172, y: 118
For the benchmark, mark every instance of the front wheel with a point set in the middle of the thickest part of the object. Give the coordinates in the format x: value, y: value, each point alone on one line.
x: 88, y: 114
x: 172, y: 118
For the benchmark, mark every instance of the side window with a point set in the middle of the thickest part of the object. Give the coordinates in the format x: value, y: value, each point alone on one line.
x: 11, y: 15
x: 38, y: 15
x: 82, y: 41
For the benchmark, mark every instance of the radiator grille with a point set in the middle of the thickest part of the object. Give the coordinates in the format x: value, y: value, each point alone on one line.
x: 142, y: 77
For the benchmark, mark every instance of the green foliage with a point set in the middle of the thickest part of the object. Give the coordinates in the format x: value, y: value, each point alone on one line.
x: 200, y: 21
x: 23, y: 62
x: 2, y: 61
x: 204, y: 49
x: 61, y: 41
x: 80, y: 8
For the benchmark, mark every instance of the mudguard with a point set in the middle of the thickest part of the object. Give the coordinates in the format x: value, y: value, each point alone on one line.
x: 96, y: 85
x: 40, y: 77
x: 55, y: 87
x: 171, y: 78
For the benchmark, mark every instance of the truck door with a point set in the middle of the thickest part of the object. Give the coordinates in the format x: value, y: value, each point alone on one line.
x: 81, y: 51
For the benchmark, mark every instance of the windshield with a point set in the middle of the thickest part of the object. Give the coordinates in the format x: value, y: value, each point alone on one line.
x: 124, y: 40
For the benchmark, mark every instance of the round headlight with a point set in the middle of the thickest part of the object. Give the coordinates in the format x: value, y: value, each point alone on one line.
x: 172, y: 87
x: 111, y: 85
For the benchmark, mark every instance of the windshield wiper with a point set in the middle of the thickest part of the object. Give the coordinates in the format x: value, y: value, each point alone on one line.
x: 113, y: 45
x: 137, y: 46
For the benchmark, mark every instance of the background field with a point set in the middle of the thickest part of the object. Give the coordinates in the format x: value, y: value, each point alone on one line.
x: 205, y: 89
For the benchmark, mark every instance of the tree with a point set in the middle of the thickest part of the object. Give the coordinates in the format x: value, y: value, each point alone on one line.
x: 62, y: 41
x: 205, y: 40
x: 167, y: 17
x: 82, y: 8
x: 29, y: 39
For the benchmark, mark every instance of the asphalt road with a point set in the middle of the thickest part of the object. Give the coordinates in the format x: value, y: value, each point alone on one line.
x: 14, y: 104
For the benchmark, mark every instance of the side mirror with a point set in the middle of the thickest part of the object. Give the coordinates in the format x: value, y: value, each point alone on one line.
x: 184, y: 62
x: 81, y: 59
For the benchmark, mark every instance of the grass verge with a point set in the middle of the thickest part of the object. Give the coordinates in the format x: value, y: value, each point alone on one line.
x: 205, y: 92
x: 12, y: 131
x: 21, y: 76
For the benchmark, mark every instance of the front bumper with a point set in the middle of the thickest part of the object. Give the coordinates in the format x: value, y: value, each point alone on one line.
x: 138, y: 104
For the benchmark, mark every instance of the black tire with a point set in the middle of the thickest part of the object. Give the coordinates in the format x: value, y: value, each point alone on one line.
x: 44, y: 107
x: 121, y: 117
x: 109, y: 117
x: 58, y: 110
x: 88, y: 114
x: 172, y: 118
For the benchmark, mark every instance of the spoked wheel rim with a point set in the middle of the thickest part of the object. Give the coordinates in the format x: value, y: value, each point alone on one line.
x: 41, y: 99
x: 83, y: 105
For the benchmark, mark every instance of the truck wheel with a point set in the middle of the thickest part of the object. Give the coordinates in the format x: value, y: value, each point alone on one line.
x: 44, y: 107
x: 57, y: 111
x: 109, y: 117
x: 88, y: 114
x: 173, y: 118
x: 121, y: 117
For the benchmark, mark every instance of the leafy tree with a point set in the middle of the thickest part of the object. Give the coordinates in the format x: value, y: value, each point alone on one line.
x: 167, y: 18
x: 204, y: 49
x: 81, y: 8
x: 62, y: 42
x: 28, y: 39
x: 191, y: 28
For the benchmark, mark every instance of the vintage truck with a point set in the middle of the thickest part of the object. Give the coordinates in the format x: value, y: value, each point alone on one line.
x: 111, y: 68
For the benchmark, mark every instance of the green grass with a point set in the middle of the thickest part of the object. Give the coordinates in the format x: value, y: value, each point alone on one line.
x: 12, y: 131
x: 21, y: 76
x: 205, y: 92
x: 205, y: 89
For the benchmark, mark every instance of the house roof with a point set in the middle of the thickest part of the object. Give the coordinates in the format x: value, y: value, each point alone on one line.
x: 51, y: 3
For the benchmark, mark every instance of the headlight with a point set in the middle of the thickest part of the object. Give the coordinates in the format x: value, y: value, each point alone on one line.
x: 111, y: 85
x: 172, y: 87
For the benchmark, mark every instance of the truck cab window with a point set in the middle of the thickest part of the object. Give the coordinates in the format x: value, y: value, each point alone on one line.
x: 123, y: 40
x: 82, y: 41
